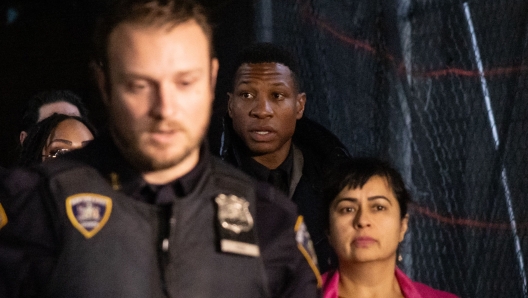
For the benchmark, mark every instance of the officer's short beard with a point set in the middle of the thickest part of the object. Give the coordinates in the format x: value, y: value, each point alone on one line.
x: 131, y: 151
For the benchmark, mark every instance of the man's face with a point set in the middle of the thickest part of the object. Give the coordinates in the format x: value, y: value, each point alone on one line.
x: 265, y: 106
x: 160, y: 94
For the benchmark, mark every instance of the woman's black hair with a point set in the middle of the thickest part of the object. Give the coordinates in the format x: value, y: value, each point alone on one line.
x: 31, y: 151
x: 354, y: 173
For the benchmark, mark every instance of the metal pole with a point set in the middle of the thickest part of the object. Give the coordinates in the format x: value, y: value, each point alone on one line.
x: 402, y: 88
x: 493, y: 126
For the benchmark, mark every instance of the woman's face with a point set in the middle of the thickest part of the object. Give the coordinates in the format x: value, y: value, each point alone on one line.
x: 70, y: 134
x: 365, y: 223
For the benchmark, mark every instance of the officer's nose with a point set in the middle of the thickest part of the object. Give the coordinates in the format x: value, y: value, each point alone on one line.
x: 165, y: 102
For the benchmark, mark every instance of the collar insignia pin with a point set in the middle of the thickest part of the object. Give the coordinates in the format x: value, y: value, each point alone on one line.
x: 114, y: 180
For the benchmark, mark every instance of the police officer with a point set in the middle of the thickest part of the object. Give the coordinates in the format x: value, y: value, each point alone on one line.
x: 145, y: 211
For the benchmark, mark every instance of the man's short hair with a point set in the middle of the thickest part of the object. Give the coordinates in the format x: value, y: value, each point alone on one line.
x: 32, y: 111
x: 265, y: 52
x: 147, y: 13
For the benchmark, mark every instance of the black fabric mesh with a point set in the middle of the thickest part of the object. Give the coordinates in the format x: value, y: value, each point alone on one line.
x: 400, y: 80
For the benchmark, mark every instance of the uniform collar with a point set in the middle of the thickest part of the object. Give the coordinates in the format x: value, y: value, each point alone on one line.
x: 124, y: 177
x: 261, y: 172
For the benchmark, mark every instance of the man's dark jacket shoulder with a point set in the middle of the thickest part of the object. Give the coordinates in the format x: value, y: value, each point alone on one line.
x: 321, y: 150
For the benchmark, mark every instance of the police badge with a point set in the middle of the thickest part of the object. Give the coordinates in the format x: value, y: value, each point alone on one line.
x: 233, y: 213
x: 88, y: 212
x: 236, y: 224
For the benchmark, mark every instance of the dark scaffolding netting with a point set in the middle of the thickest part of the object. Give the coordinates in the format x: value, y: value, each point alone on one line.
x: 440, y: 88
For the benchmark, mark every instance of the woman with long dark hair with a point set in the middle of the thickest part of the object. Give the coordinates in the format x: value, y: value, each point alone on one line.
x: 54, y: 136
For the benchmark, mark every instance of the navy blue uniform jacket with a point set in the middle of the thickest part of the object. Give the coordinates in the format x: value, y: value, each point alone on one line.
x: 37, y: 241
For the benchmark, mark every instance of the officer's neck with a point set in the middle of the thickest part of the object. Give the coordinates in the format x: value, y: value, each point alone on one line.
x: 165, y: 176
x: 158, y: 177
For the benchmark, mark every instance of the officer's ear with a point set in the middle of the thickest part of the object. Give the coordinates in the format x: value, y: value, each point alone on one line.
x: 214, y: 73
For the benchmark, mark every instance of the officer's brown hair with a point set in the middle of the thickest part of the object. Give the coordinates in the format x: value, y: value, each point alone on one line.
x: 147, y: 13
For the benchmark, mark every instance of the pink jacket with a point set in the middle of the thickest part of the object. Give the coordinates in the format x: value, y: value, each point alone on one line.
x: 410, y: 289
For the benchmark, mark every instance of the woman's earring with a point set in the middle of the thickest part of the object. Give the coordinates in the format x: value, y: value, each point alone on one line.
x: 400, y: 258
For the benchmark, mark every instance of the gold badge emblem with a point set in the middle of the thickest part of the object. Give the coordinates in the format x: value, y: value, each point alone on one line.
x: 3, y: 217
x: 88, y: 212
x: 233, y: 213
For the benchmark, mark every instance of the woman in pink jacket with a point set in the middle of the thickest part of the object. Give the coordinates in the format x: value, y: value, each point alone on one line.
x: 367, y: 216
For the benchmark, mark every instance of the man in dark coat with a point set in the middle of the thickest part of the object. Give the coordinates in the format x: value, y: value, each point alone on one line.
x: 266, y: 136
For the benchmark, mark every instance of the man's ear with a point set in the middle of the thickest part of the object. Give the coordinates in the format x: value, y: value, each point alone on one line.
x: 22, y: 137
x: 214, y: 73
x: 229, y: 103
x: 404, y: 226
x: 300, y: 102
x: 102, y: 83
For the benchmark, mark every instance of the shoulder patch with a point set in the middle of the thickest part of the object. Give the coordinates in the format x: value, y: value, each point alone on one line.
x: 88, y: 212
x: 305, y: 245
x: 3, y: 217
